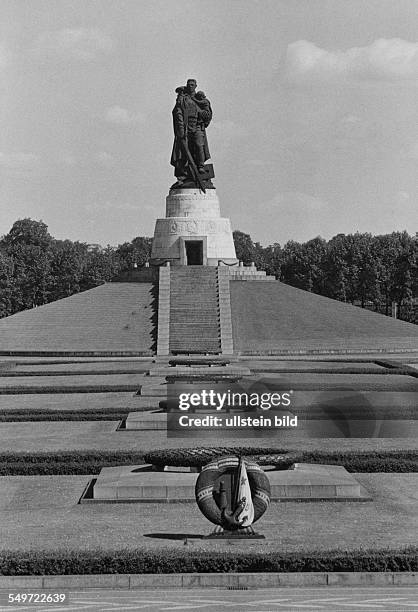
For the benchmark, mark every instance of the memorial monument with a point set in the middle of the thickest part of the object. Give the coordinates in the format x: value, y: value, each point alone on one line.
x: 191, y: 297
x: 193, y: 231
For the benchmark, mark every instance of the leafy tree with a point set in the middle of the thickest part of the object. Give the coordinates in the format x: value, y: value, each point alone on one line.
x: 302, y: 264
x: 100, y: 267
x: 67, y: 267
x: 136, y: 252
x: 27, y: 231
x: 273, y: 259
x: 245, y: 248
x: 29, y: 246
x: 6, y: 285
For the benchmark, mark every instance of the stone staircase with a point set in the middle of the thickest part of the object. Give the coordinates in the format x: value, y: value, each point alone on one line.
x: 194, y: 325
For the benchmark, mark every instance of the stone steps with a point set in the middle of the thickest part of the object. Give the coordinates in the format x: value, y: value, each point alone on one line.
x: 194, y: 310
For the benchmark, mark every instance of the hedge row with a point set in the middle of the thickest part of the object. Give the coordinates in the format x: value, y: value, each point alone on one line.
x: 169, y: 561
x: 91, y: 462
x: 364, y: 370
x: 353, y: 461
x: 25, y: 390
x: 98, y: 414
x: 69, y: 463
x: 42, y: 373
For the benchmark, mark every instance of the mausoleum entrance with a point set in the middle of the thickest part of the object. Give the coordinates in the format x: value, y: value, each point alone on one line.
x: 194, y: 252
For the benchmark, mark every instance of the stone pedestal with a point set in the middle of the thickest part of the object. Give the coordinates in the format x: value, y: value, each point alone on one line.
x: 193, y: 231
x: 305, y: 482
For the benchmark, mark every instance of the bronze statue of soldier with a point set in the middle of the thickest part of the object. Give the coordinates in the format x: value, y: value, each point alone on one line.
x: 192, y: 114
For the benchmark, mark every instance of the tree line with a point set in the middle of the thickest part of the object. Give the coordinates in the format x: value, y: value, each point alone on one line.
x: 362, y: 269
x: 371, y: 271
x: 36, y: 269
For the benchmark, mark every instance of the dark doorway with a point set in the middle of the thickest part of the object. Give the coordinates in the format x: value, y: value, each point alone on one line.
x: 194, y: 252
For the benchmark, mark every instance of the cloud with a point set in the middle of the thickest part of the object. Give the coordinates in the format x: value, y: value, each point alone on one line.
x: 384, y: 59
x: 121, y: 116
x: 83, y: 44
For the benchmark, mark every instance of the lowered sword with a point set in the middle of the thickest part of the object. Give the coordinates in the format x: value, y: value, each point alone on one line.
x: 195, y: 171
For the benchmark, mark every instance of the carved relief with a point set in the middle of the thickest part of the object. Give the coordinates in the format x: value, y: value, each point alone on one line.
x: 198, y: 226
x: 192, y: 227
x: 184, y: 227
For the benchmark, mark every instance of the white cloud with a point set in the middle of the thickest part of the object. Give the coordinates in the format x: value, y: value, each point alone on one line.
x: 121, y: 116
x: 84, y: 44
x: 384, y: 59
x: 18, y: 161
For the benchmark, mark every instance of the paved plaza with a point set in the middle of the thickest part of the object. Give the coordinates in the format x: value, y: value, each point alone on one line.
x: 320, y: 599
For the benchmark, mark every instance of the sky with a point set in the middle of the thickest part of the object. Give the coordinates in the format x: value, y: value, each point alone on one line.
x: 315, y: 113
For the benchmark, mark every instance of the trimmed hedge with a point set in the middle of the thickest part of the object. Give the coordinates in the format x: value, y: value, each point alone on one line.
x: 41, y: 374
x: 398, y: 371
x: 91, y: 462
x: 169, y: 561
x: 99, y: 414
x: 25, y: 390
x: 353, y: 461
x: 69, y: 463
x: 94, y: 414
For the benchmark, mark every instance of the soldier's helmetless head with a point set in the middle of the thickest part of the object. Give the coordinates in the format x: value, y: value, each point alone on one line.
x: 191, y: 85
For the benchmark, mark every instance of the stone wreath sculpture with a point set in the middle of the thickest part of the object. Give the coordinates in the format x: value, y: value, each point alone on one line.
x: 232, y: 490
x: 211, y: 495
